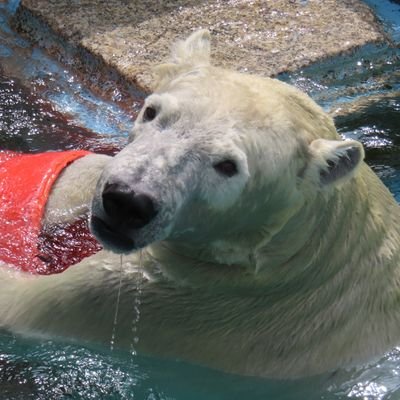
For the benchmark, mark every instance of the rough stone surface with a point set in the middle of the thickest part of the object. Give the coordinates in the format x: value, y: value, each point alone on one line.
x: 264, y: 37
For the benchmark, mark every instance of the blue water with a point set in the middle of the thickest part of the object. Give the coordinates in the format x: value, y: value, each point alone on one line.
x: 44, y: 106
x: 47, y: 370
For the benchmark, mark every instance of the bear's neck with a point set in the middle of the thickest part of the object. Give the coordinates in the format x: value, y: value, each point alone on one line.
x: 305, y: 254
x: 312, y: 250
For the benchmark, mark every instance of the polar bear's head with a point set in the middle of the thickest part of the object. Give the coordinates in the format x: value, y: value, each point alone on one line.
x: 216, y: 155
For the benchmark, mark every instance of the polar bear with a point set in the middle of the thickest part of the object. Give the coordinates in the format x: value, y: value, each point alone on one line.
x: 260, y: 241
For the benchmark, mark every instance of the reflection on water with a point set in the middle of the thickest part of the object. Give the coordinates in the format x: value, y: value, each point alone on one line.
x: 43, y: 107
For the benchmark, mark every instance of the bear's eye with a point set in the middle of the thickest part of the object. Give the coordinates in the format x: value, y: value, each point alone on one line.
x: 227, y: 168
x: 149, y: 114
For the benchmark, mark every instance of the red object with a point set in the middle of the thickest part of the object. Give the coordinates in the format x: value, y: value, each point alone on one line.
x: 25, y: 184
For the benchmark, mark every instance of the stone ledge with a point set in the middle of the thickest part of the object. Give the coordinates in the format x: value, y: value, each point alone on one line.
x: 266, y: 37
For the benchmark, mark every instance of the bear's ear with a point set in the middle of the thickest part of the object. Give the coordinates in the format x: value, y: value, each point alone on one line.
x: 192, y: 52
x: 335, y: 161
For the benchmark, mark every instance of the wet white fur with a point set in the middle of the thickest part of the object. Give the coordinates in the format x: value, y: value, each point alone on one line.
x: 268, y: 273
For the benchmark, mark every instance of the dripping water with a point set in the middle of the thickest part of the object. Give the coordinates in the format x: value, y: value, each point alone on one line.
x: 136, y: 306
x: 112, y: 341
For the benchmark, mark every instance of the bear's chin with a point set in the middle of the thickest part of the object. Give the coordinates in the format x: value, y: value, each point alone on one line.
x: 110, y: 239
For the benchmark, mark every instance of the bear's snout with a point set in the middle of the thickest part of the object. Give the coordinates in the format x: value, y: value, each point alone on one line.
x: 123, y: 213
x: 124, y: 206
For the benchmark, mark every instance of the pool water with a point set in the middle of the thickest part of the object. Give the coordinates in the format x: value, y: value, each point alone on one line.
x: 32, y: 369
x: 43, y: 106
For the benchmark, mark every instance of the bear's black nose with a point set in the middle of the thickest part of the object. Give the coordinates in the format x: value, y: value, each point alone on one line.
x: 123, y: 206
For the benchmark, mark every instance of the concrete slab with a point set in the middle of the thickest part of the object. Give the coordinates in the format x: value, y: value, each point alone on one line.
x: 125, y: 37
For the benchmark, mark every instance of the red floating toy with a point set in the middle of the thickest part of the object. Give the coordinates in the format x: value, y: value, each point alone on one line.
x: 25, y: 184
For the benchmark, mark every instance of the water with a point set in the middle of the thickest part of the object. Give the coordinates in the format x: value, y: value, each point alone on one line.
x: 51, y: 109
x: 43, y: 107
x: 136, y: 301
x: 48, y: 370
x: 136, y: 306
x: 115, y: 322
x: 362, y: 92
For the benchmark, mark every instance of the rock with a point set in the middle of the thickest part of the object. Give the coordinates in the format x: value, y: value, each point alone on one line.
x: 121, y: 39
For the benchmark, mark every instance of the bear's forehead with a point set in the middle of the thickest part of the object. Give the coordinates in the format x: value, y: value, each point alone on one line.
x: 211, y: 92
